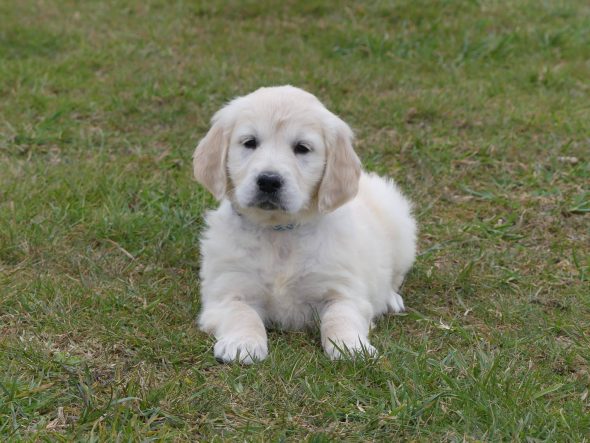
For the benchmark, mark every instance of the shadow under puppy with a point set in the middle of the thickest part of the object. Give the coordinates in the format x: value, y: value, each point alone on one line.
x: 301, y: 232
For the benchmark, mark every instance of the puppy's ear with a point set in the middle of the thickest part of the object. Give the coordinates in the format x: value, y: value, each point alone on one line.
x: 210, y: 157
x: 340, y: 182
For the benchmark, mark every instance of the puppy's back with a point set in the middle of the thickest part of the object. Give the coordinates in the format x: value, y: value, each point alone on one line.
x: 392, y: 211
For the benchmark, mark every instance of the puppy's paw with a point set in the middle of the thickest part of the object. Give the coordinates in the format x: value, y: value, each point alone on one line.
x: 244, y: 349
x: 395, y: 303
x: 349, y: 349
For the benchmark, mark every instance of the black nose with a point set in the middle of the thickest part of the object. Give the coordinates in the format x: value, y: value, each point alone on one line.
x: 269, y: 182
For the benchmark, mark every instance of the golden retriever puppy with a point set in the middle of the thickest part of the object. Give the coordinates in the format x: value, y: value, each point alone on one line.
x: 302, y: 235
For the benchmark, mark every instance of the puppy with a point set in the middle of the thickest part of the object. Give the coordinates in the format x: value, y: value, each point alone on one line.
x: 301, y: 234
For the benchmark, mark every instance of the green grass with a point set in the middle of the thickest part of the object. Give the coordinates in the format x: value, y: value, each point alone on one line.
x: 479, y: 109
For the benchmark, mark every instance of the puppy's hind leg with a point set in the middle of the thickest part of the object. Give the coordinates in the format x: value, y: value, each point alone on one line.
x: 395, y: 303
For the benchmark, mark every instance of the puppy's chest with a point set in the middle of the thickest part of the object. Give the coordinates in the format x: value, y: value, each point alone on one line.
x: 287, y: 281
x: 284, y: 265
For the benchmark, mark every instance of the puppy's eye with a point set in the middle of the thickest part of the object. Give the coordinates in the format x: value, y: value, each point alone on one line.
x: 250, y: 143
x: 301, y: 148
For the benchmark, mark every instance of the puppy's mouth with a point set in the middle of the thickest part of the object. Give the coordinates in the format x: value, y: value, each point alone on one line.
x: 268, y: 206
x: 268, y: 203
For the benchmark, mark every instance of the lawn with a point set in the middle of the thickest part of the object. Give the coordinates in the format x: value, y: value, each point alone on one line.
x: 479, y: 109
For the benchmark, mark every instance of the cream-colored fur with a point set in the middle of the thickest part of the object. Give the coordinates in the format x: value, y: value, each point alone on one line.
x: 333, y: 244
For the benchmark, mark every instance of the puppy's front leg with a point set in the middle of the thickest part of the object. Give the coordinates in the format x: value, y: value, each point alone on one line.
x: 239, y: 330
x: 344, y: 329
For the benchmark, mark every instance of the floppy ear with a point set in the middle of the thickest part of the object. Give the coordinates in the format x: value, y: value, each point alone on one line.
x: 340, y: 182
x: 210, y: 156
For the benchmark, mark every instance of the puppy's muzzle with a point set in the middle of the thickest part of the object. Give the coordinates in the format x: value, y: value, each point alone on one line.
x: 269, y: 188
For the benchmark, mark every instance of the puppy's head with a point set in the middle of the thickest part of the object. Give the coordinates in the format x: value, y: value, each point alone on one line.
x: 278, y: 153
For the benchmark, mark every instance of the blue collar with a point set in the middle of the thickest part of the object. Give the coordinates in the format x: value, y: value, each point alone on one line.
x: 282, y: 228
x: 277, y: 228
